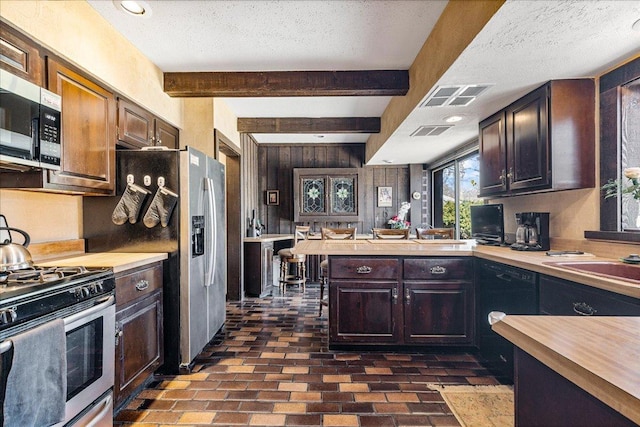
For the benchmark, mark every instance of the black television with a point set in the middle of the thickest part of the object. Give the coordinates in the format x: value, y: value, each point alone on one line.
x: 487, y: 224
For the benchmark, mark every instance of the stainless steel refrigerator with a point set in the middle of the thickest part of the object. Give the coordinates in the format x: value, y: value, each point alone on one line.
x: 170, y: 201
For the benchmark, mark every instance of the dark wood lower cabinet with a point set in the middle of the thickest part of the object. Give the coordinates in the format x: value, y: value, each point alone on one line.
x: 369, y: 303
x: 258, y: 268
x: 438, y: 313
x: 139, y: 345
x: 364, y: 312
x: 139, y: 328
x: 544, y: 398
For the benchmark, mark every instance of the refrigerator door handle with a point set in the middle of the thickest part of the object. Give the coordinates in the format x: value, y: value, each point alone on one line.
x: 211, y: 199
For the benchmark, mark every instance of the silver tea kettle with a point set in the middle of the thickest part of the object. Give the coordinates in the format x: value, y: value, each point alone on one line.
x: 14, y: 256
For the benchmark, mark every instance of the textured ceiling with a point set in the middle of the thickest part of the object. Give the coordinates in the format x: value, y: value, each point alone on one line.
x: 525, y: 44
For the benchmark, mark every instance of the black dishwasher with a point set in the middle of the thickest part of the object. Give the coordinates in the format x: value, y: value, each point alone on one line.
x: 508, y: 289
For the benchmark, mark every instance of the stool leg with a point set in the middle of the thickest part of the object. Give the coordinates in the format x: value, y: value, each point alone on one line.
x: 321, y: 295
x: 283, y: 275
x: 303, y: 269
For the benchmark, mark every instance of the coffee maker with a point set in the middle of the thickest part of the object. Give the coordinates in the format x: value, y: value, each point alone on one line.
x: 532, y: 233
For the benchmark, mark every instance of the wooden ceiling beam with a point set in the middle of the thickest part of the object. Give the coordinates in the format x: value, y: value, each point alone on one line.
x: 287, y: 83
x: 309, y: 125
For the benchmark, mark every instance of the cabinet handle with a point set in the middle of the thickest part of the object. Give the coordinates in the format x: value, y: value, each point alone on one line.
x: 504, y: 277
x: 504, y: 359
x: 438, y: 269
x: 510, y: 175
x: 142, y: 285
x: 363, y: 269
x: 407, y: 296
x: 584, y: 309
x: 159, y: 142
x: 503, y: 177
x: 118, y: 334
x: 152, y: 140
x: 395, y: 295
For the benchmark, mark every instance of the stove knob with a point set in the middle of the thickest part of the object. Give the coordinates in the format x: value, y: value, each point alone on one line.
x: 85, y: 291
x: 7, y: 316
x: 99, y: 287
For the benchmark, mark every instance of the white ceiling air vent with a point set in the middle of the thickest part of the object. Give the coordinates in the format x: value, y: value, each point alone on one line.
x: 454, y: 95
x: 433, y: 130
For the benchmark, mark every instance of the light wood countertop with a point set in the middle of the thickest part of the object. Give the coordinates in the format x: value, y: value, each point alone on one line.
x: 118, y: 261
x: 599, y: 354
x: 533, y: 261
x: 269, y: 238
x: 391, y: 247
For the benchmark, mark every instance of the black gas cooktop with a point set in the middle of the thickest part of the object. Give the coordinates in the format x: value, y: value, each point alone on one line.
x: 27, y: 294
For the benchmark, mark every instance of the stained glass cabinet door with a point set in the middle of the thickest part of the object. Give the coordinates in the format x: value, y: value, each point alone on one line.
x: 326, y: 194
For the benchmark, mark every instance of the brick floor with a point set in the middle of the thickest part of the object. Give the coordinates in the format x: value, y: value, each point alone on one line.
x: 271, y: 366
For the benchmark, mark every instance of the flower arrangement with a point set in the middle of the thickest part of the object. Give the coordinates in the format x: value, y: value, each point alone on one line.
x: 611, y: 188
x: 398, y: 221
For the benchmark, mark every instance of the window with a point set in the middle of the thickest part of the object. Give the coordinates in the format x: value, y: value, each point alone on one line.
x: 455, y: 189
x: 619, y: 149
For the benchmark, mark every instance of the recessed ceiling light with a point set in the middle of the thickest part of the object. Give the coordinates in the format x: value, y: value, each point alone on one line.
x: 135, y: 8
x: 387, y: 161
x: 453, y: 119
x: 319, y: 136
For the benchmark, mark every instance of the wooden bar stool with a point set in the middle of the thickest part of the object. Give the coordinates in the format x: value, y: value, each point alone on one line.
x: 390, y: 233
x: 335, y: 234
x: 290, y: 263
x: 434, y: 233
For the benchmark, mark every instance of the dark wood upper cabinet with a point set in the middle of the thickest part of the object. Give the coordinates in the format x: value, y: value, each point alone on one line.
x: 327, y: 194
x: 544, y: 141
x: 20, y: 56
x: 88, y: 132
x: 166, y: 135
x: 138, y: 128
x: 493, y: 146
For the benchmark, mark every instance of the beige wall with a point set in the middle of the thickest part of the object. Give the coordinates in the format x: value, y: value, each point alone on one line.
x: 571, y: 212
x: 198, y: 125
x: 75, y: 31
x: 226, y: 122
x: 45, y: 217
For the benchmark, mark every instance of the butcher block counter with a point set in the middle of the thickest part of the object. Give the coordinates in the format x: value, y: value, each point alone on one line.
x: 533, y: 261
x: 117, y: 261
x: 600, y: 355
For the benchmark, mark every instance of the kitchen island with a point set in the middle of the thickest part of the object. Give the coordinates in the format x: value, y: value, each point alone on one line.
x: 575, y: 371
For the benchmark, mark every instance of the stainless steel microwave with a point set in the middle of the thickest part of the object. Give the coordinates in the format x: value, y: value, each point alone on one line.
x: 29, y: 125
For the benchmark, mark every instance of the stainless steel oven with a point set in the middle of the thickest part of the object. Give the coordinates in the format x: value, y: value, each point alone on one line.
x: 86, y: 303
x: 90, y: 362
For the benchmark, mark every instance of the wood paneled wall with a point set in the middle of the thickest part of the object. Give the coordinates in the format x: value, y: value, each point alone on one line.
x: 249, y: 178
x: 274, y: 171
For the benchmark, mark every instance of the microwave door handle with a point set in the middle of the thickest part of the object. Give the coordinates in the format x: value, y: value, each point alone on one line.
x: 211, y: 200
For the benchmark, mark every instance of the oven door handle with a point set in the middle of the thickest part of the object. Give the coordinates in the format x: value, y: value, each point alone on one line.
x: 100, y: 305
x: 101, y: 416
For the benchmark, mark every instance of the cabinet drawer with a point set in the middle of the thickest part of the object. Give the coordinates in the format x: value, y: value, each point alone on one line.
x: 560, y: 297
x: 438, y: 268
x: 134, y: 284
x: 363, y: 268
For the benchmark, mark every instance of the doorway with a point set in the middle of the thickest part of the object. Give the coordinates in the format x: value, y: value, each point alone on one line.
x: 224, y: 147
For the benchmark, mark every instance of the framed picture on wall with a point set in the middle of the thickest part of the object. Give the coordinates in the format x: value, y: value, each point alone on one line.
x: 385, y: 197
x: 273, y: 197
